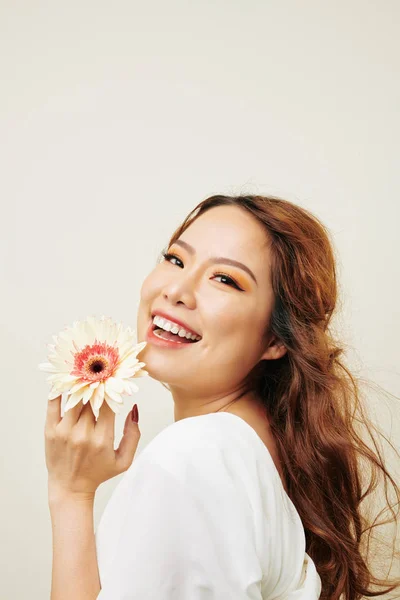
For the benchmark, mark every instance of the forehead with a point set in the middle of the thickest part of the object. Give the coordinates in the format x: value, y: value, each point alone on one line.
x: 227, y: 229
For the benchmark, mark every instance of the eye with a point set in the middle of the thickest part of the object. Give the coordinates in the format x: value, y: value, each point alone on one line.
x: 167, y: 256
x: 231, y: 282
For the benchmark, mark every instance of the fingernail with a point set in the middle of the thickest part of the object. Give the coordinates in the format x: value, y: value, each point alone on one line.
x: 135, y: 414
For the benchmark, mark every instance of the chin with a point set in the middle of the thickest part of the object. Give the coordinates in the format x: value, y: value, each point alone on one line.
x: 163, y: 375
x: 155, y: 368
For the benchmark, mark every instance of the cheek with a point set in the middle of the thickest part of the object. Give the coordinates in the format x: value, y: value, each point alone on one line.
x: 234, y: 335
x: 148, y: 294
x: 150, y: 287
x: 234, y: 349
x: 231, y: 323
x: 146, y: 302
x: 145, y: 290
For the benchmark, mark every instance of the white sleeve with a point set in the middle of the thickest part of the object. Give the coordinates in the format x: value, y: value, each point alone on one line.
x: 161, y: 538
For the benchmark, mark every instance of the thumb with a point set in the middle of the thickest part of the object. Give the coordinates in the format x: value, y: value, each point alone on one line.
x: 129, y: 442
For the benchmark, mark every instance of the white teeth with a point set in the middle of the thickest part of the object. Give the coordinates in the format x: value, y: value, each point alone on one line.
x: 173, y: 328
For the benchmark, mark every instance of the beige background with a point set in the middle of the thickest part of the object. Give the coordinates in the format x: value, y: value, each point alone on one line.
x: 116, y: 119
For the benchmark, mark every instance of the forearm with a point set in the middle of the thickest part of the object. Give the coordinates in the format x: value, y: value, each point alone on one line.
x: 75, y: 573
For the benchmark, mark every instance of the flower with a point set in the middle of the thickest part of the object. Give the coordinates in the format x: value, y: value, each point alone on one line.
x: 94, y: 360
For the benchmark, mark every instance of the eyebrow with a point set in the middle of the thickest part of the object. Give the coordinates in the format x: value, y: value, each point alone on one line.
x: 218, y: 259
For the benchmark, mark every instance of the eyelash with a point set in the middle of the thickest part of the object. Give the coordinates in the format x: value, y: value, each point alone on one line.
x: 167, y: 256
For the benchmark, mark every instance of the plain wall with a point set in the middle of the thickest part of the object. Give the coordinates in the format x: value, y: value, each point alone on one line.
x: 116, y: 120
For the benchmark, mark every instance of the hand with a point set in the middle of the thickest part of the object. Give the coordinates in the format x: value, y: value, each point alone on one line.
x: 80, y: 452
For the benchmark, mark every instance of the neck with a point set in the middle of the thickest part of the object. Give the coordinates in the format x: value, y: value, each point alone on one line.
x: 195, y: 406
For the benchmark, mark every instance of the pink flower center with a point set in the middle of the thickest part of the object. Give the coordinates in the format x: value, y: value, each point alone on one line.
x: 96, y: 362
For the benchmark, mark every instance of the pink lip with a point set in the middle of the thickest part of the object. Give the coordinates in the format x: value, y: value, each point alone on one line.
x: 150, y: 337
x: 177, y: 321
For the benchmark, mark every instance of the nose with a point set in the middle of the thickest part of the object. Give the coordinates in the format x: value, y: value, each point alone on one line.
x: 180, y: 290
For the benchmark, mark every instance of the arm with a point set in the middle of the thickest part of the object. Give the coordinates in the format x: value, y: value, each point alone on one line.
x: 74, y: 573
x: 79, y: 457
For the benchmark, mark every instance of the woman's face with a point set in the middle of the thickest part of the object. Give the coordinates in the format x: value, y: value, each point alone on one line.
x: 195, y: 289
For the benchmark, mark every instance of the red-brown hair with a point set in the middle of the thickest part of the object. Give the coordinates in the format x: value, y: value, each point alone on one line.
x: 314, y: 402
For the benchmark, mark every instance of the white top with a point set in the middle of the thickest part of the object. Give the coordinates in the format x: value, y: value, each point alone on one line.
x: 201, y: 514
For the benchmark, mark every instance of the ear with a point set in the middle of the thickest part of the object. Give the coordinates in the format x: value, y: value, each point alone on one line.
x: 275, y: 350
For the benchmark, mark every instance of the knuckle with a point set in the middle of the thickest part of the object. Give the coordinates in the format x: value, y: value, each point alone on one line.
x: 61, y: 436
x: 49, y: 435
x: 123, y: 464
x: 101, y: 443
x: 78, y: 440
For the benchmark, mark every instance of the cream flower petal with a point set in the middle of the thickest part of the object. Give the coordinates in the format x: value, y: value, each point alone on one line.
x: 134, y: 371
x: 64, y: 354
x: 65, y: 343
x: 116, y: 332
x: 80, y: 338
x: 110, y: 330
x: 57, y: 390
x: 94, y: 410
x: 66, y: 378
x: 125, y: 342
x: 98, y: 396
x: 126, y: 336
x: 62, y: 376
x: 47, y: 367
x: 112, y: 404
x: 133, y: 349
x: 73, y: 400
x: 91, y: 329
x: 53, y: 377
x: 122, y: 372
x: 130, y: 360
x: 78, y: 386
x: 61, y: 387
x: 131, y: 387
x: 101, y: 329
x: 59, y: 363
x: 124, y: 348
x: 113, y: 394
x: 133, y: 379
x: 87, y: 394
x: 141, y: 373
x: 114, y: 384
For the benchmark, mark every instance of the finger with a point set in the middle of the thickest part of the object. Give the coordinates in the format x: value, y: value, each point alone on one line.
x: 77, y: 401
x: 53, y: 415
x: 72, y: 415
x: 86, y: 419
x: 106, y: 420
x: 129, y: 442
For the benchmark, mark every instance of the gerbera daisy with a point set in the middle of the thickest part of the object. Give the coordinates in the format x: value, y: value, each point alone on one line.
x: 94, y: 360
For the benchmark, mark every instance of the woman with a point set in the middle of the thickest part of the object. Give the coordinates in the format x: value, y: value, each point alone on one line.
x: 254, y: 490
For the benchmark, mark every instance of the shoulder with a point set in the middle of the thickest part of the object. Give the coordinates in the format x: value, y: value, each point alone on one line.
x: 189, y: 437
x: 209, y: 444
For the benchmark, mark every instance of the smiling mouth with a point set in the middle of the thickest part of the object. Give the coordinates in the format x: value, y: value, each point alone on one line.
x: 168, y: 335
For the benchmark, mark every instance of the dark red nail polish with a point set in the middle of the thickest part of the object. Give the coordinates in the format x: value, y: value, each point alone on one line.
x: 135, y: 414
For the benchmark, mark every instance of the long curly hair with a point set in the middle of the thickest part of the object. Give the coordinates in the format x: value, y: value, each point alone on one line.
x: 314, y: 402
